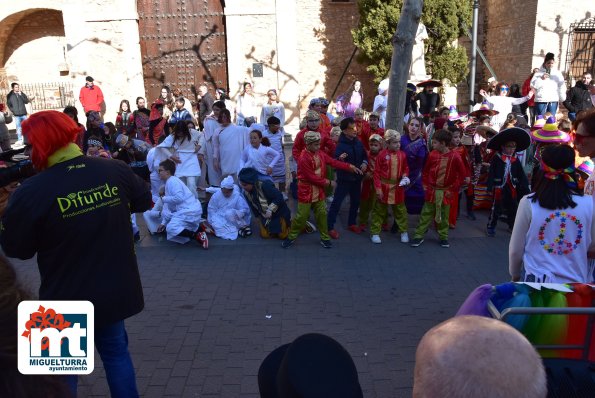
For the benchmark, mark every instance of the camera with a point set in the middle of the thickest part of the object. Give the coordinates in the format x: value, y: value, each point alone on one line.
x: 19, y: 167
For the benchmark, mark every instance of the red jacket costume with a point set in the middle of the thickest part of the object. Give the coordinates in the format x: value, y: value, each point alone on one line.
x: 363, y: 131
x: 368, y: 180
x: 311, y: 174
x: 366, y: 138
x: 443, y: 172
x: 391, y: 167
x: 325, y: 122
x: 91, y: 98
x: 462, y: 151
x: 326, y: 143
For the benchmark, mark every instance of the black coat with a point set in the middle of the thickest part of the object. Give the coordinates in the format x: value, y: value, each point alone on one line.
x: 75, y: 216
x: 356, y: 155
x: 427, y: 102
x: 578, y: 98
x: 517, y: 174
x: 16, y: 103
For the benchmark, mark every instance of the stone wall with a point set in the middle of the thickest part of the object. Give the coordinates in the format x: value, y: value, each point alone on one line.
x: 100, y: 36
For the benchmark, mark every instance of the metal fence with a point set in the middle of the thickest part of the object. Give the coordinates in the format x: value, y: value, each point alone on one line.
x: 580, y: 57
x: 47, y: 95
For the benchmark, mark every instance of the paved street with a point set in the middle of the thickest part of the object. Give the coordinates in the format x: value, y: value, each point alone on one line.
x: 212, y: 316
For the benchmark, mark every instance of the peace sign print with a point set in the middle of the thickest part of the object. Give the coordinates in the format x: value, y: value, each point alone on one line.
x: 561, y: 245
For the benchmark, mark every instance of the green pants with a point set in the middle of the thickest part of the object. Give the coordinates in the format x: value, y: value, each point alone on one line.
x: 427, y: 215
x: 303, y: 213
x: 381, y: 211
x: 366, y: 207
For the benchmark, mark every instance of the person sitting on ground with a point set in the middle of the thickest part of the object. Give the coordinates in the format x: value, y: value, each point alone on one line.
x: 554, y: 227
x: 177, y: 211
x: 267, y: 204
x: 95, y: 148
x: 228, y: 213
x: 313, y: 365
x: 472, y: 356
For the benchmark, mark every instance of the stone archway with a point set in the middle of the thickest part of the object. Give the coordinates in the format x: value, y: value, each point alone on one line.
x: 32, y: 47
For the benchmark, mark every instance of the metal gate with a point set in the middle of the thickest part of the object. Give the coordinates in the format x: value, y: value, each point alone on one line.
x: 581, y: 49
x: 182, y: 45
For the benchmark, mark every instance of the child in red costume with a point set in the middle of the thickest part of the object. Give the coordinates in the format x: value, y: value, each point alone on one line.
x: 368, y: 196
x: 456, y: 146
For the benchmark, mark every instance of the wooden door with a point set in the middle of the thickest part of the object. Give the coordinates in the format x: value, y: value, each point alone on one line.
x: 182, y: 45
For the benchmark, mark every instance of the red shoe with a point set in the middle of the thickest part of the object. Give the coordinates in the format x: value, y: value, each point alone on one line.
x: 202, y: 239
x: 333, y: 234
x: 363, y: 227
x: 355, y: 228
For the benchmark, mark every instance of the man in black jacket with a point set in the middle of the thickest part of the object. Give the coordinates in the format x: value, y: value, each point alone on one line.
x: 75, y: 215
x: 578, y: 97
x: 16, y: 101
x: 205, y: 106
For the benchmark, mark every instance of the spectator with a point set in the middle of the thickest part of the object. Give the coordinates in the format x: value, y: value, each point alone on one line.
x: 5, y: 118
x: 42, y: 218
x: 167, y: 99
x: 579, y: 98
x: 313, y: 365
x: 188, y: 105
x: 180, y: 113
x: 124, y: 118
x: 228, y: 213
x: 95, y: 148
x: 91, y: 96
x: 177, y: 212
x: 94, y: 128
x: 502, y: 103
x: 72, y: 113
x: 206, y: 105
x: 525, y: 90
x: 548, y: 84
x: 447, y: 363
x: 351, y: 100
x: 273, y: 108
x: 554, y: 227
x: 157, y: 124
x: 246, y: 106
x: 16, y: 101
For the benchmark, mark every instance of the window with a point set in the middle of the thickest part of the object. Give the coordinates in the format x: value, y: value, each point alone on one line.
x: 580, y: 57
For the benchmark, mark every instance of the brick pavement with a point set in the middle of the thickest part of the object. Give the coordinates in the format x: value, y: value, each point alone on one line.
x: 212, y: 316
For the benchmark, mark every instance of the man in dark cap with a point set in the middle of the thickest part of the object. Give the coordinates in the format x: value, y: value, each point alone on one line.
x: 91, y: 96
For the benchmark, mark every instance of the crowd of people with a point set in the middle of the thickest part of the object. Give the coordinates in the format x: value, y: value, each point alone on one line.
x: 218, y: 169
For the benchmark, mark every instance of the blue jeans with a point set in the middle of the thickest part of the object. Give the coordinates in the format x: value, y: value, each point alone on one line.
x: 17, y: 121
x: 541, y: 108
x: 112, y: 344
x: 344, y: 188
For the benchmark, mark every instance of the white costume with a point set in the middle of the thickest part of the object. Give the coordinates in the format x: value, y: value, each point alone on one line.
x: 211, y: 127
x: 178, y: 210
x: 228, y: 215
x: 155, y: 156
x: 380, y: 102
x: 277, y: 109
x: 277, y: 144
x: 202, y: 150
x: 259, y: 158
x: 230, y: 142
x: 246, y: 107
x: 188, y: 170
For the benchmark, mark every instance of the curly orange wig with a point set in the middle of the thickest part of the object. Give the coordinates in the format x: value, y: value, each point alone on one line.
x: 48, y: 131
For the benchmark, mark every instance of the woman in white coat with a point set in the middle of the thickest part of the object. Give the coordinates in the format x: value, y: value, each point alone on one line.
x: 549, y: 87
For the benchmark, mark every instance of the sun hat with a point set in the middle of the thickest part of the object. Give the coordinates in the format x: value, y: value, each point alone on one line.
x: 484, y: 109
x: 550, y: 133
x: 539, y: 122
x: 516, y: 134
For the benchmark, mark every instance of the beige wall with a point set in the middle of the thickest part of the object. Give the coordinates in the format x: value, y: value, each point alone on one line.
x: 101, y: 38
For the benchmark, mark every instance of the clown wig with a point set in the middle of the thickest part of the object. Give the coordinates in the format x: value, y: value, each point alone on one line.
x: 48, y: 131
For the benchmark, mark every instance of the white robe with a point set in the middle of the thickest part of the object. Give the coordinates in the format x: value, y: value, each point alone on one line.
x: 155, y: 156
x: 380, y: 107
x: 178, y: 210
x: 211, y: 126
x: 277, y: 144
x: 277, y: 110
x: 228, y: 215
x: 245, y: 107
x: 230, y: 142
x: 259, y: 158
x: 186, y: 151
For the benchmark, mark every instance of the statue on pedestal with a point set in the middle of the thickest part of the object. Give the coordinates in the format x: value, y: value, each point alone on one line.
x: 417, y: 72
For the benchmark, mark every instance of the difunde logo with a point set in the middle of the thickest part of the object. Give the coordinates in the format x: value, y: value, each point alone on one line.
x: 55, y: 337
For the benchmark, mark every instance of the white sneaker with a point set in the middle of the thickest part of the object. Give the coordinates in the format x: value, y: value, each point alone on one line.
x: 375, y: 239
x: 404, y: 237
x: 285, y: 198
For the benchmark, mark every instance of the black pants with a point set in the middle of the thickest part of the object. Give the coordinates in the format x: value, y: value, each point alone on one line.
x: 509, y: 204
x: 344, y: 188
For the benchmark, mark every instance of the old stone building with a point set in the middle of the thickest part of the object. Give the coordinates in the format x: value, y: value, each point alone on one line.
x: 302, y: 48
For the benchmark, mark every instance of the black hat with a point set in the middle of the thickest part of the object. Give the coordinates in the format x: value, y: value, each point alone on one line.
x: 248, y: 175
x: 314, y: 365
x: 516, y: 134
x: 89, y: 79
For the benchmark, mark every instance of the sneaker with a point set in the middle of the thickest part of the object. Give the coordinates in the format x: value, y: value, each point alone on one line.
x: 376, y: 239
x: 333, y: 234
x: 329, y: 199
x: 326, y: 244
x: 355, y: 228
x: 285, y: 197
x: 287, y: 243
x: 404, y: 237
x: 491, y: 232
x: 416, y: 242
x: 444, y: 243
x: 309, y: 228
x: 202, y: 238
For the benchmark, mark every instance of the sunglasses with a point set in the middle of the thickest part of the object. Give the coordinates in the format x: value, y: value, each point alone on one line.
x: 504, y: 89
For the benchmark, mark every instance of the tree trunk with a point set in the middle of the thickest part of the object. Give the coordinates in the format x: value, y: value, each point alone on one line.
x: 403, y: 41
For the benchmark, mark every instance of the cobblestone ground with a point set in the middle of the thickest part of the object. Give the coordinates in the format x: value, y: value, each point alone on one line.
x: 212, y: 316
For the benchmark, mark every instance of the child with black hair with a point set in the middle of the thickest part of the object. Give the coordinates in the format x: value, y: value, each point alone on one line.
x: 554, y: 227
x: 443, y: 173
x: 260, y: 156
x: 274, y: 133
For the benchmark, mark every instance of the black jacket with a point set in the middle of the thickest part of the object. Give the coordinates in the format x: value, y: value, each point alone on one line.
x: 427, y: 102
x: 578, y: 98
x: 356, y: 155
x: 16, y: 103
x: 518, y: 176
x: 265, y: 192
x: 76, y: 217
